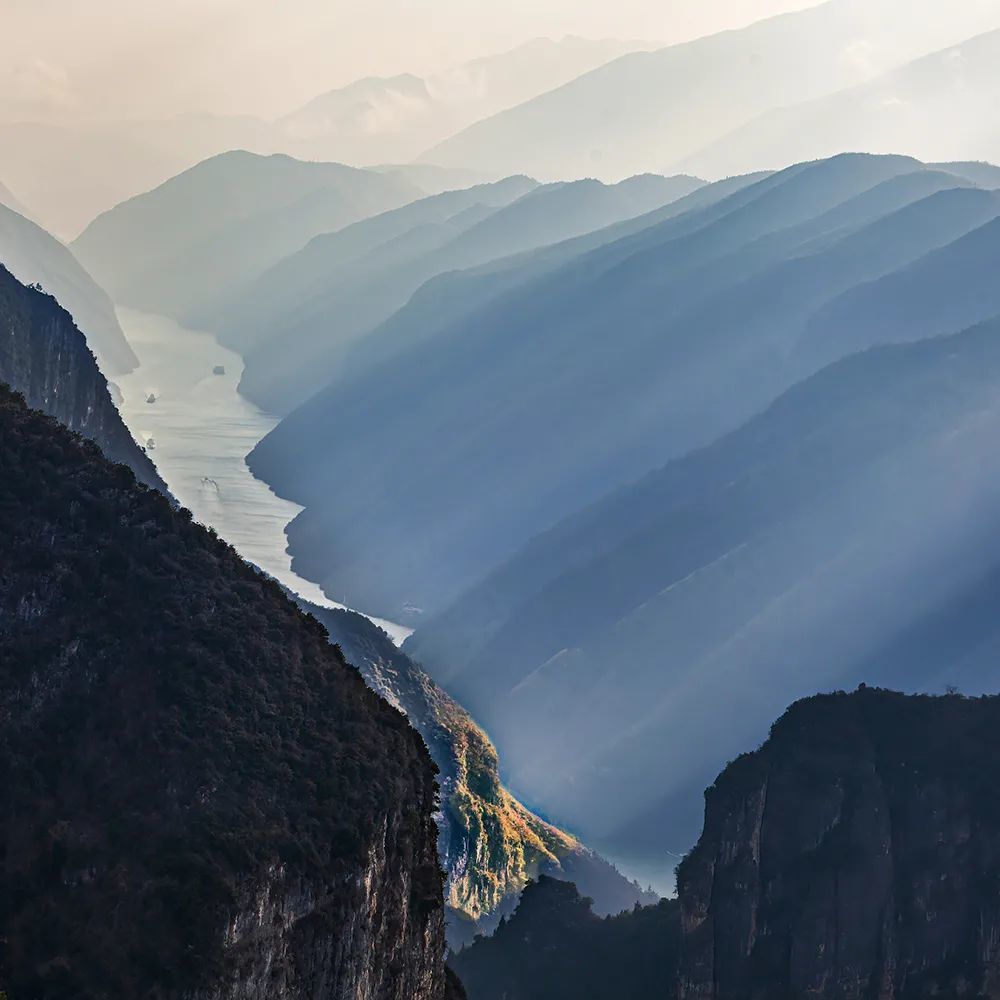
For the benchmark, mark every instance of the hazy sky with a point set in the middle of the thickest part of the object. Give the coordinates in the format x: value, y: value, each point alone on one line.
x: 158, y: 57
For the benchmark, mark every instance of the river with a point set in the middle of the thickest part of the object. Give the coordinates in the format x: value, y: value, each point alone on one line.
x: 199, y: 430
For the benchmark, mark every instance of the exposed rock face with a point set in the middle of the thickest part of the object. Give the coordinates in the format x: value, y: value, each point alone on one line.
x: 855, y: 856
x: 199, y: 798
x: 46, y: 358
x: 490, y: 844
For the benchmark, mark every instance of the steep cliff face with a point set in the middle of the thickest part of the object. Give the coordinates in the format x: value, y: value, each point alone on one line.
x: 855, y: 856
x: 199, y: 799
x: 46, y: 358
x: 490, y: 844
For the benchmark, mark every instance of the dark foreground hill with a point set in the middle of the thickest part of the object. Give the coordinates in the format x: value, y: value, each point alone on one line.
x: 554, y: 947
x: 199, y: 797
x: 856, y: 854
x: 44, y: 356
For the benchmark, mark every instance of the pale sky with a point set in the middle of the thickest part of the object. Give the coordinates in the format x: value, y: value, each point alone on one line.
x: 69, y: 58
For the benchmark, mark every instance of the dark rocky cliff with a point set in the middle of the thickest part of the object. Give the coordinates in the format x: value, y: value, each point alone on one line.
x: 46, y: 358
x: 199, y: 798
x: 855, y: 856
x: 490, y: 844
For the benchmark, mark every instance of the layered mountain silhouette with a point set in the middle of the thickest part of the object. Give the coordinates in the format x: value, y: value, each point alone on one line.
x: 314, y: 303
x: 805, y: 550
x: 942, y: 105
x: 539, y: 399
x: 303, y: 317
x: 180, y: 248
x: 36, y: 258
x: 393, y: 120
x: 9, y: 200
x: 648, y: 111
x: 369, y: 122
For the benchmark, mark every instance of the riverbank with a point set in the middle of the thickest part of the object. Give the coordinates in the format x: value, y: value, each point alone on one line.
x: 181, y: 404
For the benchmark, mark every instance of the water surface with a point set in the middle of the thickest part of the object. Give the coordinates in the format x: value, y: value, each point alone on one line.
x: 199, y: 430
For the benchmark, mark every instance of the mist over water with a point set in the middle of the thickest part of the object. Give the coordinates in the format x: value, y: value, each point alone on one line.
x: 198, y: 431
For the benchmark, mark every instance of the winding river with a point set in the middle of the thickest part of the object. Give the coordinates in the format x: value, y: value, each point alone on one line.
x: 181, y: 403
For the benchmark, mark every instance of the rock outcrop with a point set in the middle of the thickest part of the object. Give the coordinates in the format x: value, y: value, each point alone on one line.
x: 199, y: 798
x: 855, y: 856
x: 46, y: 358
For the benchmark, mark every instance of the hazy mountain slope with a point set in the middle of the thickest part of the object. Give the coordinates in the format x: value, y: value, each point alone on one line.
x: 274, y: 300
x: 444, y: 300
x: 943, y: 105
x: 564, y: 388
x: 942, y: 292
x: 773, y: 308
x: 490, y: 844
x: 200, y: 796
x: 647, y: 110
x: 373, y: 121
x: 394, y: 119
x: 11, y: 201
x: 221, y: 223
x: 35, y: 257
x: 286, y: 370
x: 46, y: 358
x: 691, y: 605
x: 986, y: 175
x: 109, y: 165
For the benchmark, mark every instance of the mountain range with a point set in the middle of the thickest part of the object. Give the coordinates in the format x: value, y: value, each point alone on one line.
x: 330, y: 296
x: 571, y: 380
x: 366, y: 123
x: 650, y: 111
x: 691, y: 420
x: 393, y: 120
x: 222, y: 223
x: 938, y: 106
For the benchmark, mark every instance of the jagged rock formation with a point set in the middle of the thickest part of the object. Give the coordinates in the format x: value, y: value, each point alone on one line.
x: 199, y: 799
x: 855, y: 855
x: 44, y: 356
x: 490, y: 844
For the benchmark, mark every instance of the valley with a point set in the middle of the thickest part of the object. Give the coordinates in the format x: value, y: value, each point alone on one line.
x: 201, y: 429
x: 500, y: 502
